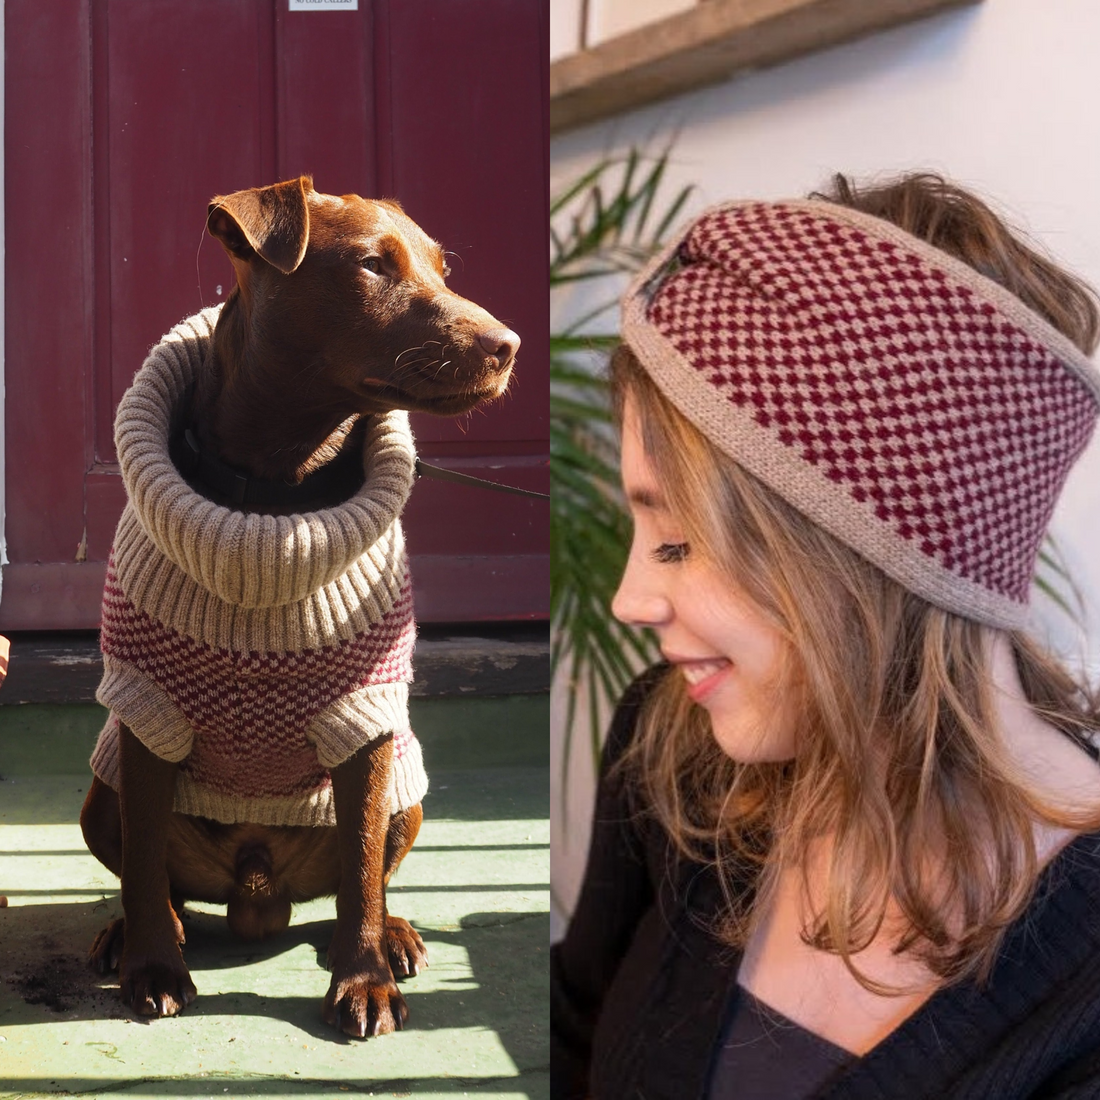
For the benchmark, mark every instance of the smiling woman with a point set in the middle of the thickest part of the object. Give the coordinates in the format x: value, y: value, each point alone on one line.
x: 856, y: 808
x: 734, y: 659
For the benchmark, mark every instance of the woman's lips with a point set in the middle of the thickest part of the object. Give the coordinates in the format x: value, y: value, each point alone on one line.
x: 703, y: 677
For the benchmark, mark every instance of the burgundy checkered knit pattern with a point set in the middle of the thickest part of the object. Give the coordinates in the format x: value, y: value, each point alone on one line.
x: 255, y: 651
x: 910, y: 406
x: 250, y: 711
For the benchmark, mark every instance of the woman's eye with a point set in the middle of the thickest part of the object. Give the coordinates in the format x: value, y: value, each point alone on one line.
x: 373, y: 264
x: 668, y: 553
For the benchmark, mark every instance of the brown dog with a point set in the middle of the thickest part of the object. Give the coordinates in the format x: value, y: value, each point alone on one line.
x: 340, y: 310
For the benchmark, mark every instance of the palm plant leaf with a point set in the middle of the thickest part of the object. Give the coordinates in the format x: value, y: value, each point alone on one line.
x: 605, y: 223
x: 1054, y: 580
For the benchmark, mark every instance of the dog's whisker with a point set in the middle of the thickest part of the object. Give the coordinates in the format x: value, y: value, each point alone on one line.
x: 412, y: 351
x: 421, y: 368
x: 419, y: 372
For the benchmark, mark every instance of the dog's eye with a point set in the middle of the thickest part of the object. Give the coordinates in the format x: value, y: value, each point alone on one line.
x: 372, y: 264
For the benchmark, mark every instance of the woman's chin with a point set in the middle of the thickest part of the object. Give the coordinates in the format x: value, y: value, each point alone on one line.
x: 748, y: 744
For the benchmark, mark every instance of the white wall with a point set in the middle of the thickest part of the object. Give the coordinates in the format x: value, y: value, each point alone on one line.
x: 606, y: 19
x: 565, y: 24
x: 1002, y: 97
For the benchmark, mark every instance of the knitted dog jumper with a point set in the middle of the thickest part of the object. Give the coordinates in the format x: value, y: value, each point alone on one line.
x: 257, y: 651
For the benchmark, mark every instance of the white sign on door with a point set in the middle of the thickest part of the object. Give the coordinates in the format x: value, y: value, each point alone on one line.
x: 324, y: 5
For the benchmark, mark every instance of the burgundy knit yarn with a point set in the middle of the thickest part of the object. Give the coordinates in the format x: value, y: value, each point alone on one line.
x: 913, y: 408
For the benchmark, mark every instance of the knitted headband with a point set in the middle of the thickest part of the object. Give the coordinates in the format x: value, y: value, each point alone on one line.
x: 913, y: 408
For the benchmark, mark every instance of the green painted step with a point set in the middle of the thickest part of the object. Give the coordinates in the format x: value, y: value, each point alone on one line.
x: 476, y: 886
x: 481, y: 731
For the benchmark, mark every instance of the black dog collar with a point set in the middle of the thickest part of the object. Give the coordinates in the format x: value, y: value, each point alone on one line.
x: 247, y: 491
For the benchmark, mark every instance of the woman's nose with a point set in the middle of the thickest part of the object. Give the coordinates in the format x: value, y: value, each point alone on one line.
x: 639, y: 601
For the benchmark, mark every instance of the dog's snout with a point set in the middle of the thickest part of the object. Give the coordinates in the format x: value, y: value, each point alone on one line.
x: 501, y: 342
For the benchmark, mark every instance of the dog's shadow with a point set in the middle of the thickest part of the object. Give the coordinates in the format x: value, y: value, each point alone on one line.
x: 505, y: 990
x: 211, y: 946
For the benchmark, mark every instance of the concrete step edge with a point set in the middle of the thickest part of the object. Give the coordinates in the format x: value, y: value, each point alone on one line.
x: 472, y: 659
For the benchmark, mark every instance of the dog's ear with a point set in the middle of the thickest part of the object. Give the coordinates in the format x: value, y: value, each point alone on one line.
x: 271, y: 222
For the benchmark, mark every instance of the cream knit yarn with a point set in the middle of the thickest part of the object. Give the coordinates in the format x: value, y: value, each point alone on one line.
x: 256, y: 650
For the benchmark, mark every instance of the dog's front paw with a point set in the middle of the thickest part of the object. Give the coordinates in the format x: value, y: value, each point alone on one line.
x: 408, y: 955
x: 159, y: 986
x: 106, y: 952
x: 359, y: 1005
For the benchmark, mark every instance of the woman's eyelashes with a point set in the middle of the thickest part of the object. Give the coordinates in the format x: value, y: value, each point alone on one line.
x: 669, y: 553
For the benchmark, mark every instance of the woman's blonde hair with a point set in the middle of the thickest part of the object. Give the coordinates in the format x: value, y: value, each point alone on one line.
x: 899, y: 756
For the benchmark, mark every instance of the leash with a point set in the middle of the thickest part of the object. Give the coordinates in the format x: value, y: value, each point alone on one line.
x: 423, y: 469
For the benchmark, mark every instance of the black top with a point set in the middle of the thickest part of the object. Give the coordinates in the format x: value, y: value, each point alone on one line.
x: 762, y: 1055
x: 639, y: 985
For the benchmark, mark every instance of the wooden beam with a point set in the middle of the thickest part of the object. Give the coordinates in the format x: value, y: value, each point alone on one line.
x: 710, y: 43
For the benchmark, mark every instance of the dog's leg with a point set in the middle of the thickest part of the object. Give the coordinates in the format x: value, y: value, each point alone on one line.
x: 101, y: 824
x: 408, y: 955
x: 153, y: 979
x: 363, y: 998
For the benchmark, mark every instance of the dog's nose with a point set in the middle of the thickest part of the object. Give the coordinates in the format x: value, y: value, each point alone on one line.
x: 501, y: 342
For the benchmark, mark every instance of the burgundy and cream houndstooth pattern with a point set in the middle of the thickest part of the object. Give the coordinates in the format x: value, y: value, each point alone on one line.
x: 256, y: 651
x: 910, y: 406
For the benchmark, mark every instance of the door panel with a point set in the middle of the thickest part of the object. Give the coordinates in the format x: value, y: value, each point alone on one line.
x: 174, y: 110
x: 49, y: 306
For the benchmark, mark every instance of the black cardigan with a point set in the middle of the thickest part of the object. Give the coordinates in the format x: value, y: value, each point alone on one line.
x: 639, y: 986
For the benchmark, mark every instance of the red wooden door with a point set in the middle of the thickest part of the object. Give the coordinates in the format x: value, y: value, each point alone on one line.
x: 123, y: 118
